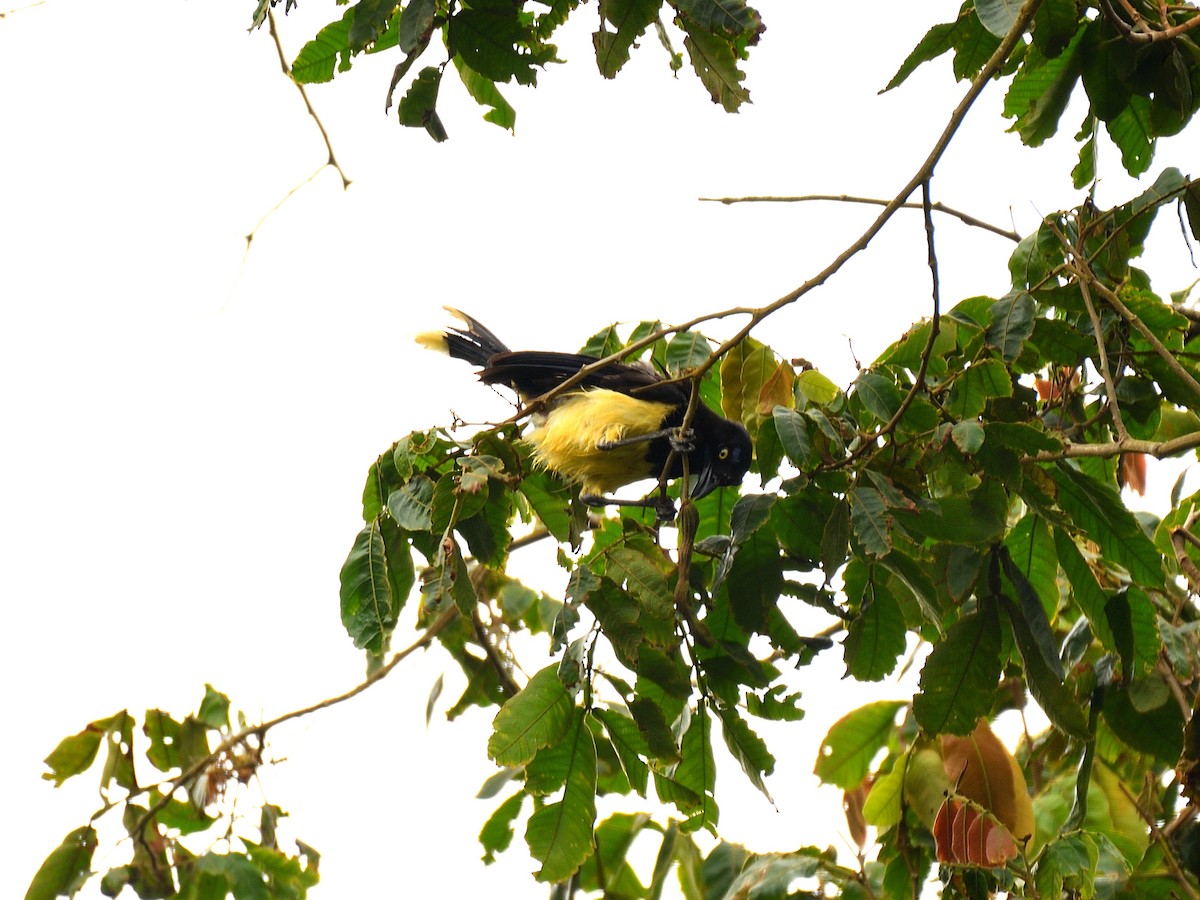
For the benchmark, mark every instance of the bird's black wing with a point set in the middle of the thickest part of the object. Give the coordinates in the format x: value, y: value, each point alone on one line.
x: 533, y: 372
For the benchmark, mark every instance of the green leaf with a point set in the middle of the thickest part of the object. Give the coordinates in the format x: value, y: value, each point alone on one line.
x: 368, y: 608
x: 416, y: 24
x: 960, y: 675
x: 998, y: 16
x: 732, y: 18
x: 1097, y: 510
x: 755, y: 580
x: 631, y: 18
x: 1040, y: 90
x: 1012, y: 324
x: 978, y: 384
x: 630, y: 745
x: 747, y: 748
x: 411, y: 505
x: 551, y: 503
x: 835, y: 539
x: 689, y: 784
x: 316, y: 59
x: 714, y: 61
x: 1158, y: 732
x: 1044, y: 676
x: 418, y: 106
x: 938, y: 40
x: 1031, y: 552
x: 65, y: 870
x: 493, y: 39
x: 1053, y: 25
x: 878, y: 394
x: 853, y: 741
x: 871, y: 521
x: 642, y: 579
x: 485, y: 93
x: 792, y: 429
x: 884, y: 806
x: 369, y: 20
x: 1133, y: 134
x: 539, y: 715
x: 968, y: 436
x: 497, y: 832
x: 560, y: 833
x: 75, y: 754
x: 876, y: 637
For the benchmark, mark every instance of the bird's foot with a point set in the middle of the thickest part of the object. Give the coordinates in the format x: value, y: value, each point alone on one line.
x: 636, y: 439
x: 663, y: 506
x: 683, y: 440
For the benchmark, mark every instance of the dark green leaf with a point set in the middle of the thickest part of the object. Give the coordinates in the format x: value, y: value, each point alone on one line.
x: 1045, y: 678
x: 368, y: 608
x: 792, y: 429
x: 1012, y: 325
x: 630, y: 745
x: 560, y: 833
x: 1158, y: 732
x: 714, y: 61
x: 1097, y: 510
x: 960, y: 675
x: 978, y: 384
x: 876, y: 637
x: 871, y: 521
x: 878, y: 394
x: 938, y: 40
x: 747, y: 748
x: 416, y: 23
x: 630, y: 18
x: 729, y: 17
x: 418, y: 106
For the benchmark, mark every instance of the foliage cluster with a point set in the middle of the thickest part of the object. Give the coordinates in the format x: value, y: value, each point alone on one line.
x: 962, y: 493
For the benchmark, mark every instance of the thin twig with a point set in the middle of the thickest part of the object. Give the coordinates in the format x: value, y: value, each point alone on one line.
x: 1081, y: 275
x: 434, y: 629
x: 1144, y: 330
x: 330, y: 161
x: 940, y: 207
x: 1167, y: 851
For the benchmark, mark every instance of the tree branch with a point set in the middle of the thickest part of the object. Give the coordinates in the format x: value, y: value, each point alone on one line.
x: 966, y: 218
x: 241, y: 737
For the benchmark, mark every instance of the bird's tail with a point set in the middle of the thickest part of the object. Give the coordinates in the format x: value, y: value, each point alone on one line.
x: 475, y: 344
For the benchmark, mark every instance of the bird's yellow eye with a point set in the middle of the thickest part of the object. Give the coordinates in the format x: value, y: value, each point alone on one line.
x: 723, y: 453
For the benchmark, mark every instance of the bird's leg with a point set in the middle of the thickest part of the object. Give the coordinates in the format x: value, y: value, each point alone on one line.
x: 682, y: 440
x: 663, y: 505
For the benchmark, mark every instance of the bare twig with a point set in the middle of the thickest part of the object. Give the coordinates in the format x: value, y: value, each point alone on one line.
x: 260, y: 730
x: 1168, y: 852
x: 330, y: 161
x: 1144, y: 330
x: 939, y: 207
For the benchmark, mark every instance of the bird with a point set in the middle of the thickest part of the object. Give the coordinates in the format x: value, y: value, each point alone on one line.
x: 619, y: 424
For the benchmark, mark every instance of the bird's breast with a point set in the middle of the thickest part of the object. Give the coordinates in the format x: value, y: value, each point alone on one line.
x: 566, y: 439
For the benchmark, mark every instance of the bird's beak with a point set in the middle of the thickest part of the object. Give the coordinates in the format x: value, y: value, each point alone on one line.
x: 704, y: 483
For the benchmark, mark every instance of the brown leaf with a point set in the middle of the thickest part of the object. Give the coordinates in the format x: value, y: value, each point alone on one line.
x: 984, y: 771
x: 852, y: 803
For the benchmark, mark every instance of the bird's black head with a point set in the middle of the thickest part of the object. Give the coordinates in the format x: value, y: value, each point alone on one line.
x: 724, y: 452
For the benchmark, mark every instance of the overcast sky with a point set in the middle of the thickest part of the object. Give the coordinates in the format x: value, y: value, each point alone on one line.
x: 188, y: 426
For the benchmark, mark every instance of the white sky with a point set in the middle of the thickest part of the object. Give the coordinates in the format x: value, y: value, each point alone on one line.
x: 188, y: 431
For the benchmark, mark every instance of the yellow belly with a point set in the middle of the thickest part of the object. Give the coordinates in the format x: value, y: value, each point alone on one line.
x: 566, y: 439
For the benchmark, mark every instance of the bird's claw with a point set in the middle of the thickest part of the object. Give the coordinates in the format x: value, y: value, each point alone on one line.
x: 683, y: 440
